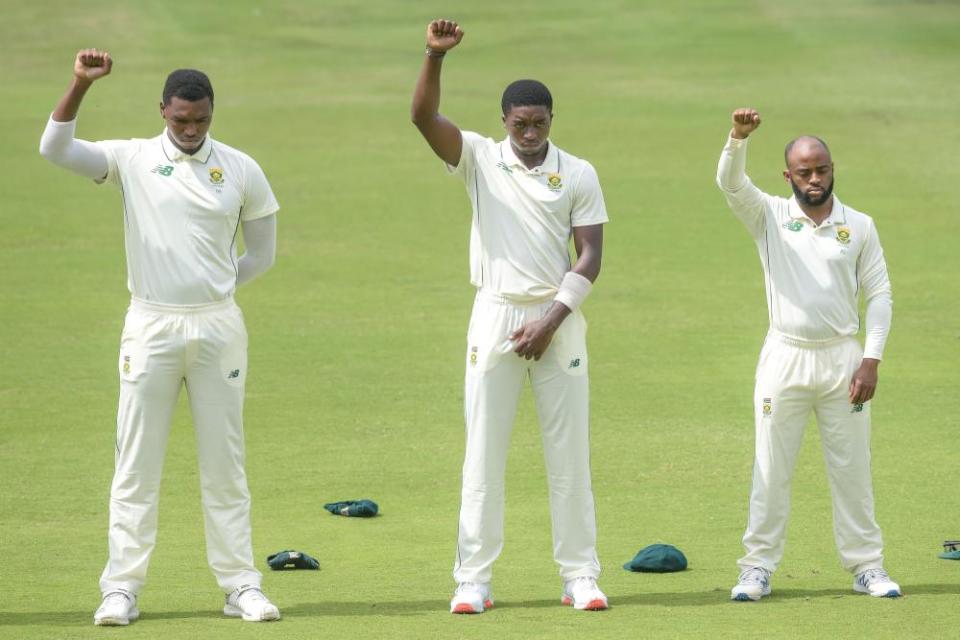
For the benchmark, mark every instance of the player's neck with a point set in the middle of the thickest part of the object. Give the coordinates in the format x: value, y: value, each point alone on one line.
x: 818, y: 213
x: 531, y: 162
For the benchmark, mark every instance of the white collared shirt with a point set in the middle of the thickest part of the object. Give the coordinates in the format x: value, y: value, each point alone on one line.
x: 182, y: 215
x: 523, y: 218
x: 814, y: 273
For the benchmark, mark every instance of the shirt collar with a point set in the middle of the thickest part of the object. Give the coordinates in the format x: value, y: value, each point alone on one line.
x: 838, y: 214
x: 550, y: 163
x: 176, y: 155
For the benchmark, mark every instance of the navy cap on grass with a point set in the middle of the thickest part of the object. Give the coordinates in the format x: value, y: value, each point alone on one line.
x: 658, y: 558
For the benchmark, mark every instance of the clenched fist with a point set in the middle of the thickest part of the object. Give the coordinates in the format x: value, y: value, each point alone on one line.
x: 92, y: 64
x: 745, y: 122
x: 443, y: 35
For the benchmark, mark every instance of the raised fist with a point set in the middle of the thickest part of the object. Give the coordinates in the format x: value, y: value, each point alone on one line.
x: 92, y: 64
x: 745, y: 122
x: 443, y: 35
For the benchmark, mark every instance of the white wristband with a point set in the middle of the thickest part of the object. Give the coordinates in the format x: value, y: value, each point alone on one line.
x: 574, y: 289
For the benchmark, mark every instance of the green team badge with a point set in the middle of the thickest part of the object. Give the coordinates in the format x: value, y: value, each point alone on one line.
x: 554, y: 182
x: 216, y: 175
x: 793, y: 225
x: 163, y: 169
x: 843, y: 235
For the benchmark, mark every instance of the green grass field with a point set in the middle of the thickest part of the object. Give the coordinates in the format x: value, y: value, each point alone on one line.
x: 357, y: 334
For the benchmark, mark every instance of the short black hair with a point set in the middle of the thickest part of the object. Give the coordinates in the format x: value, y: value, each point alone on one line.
x: 187, y: 84
x: 789, y: 147
x: 524, y: 93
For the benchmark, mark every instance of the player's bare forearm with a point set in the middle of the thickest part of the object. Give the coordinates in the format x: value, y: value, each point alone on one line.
x: 588, y: 243
x: 442, y: 135
x: 66, y: 110
x: 89, y: 66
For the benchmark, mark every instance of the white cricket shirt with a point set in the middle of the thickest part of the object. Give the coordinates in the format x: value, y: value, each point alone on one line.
x: 814, y: 274
x: 523, y: 218
x: 182, y: 214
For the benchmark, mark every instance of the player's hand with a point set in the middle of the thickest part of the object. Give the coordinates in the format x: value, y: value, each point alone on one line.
x: 864, y: 381
x: 92, y: 64
x: 532, y: 339
x: 443, y: 35
x: 745, y: 122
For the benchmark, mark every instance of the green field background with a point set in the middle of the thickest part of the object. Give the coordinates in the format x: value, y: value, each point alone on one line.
x: 357, y: 334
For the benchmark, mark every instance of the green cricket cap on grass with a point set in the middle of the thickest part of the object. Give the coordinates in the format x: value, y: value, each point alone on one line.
x: 658, y: 558
x: 353, y: 508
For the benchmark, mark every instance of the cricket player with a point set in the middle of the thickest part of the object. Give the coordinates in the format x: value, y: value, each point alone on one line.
x: 819, y: 257
x: 528, y: 199
x: 184, y: 197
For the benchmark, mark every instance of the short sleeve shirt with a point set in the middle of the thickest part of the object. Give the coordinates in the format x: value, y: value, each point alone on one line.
x: 523, y: 218
x: 182, y: 215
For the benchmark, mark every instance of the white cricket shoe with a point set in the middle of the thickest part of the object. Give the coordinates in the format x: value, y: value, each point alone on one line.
x: 119, y: 608
x: 249, y: 603
x: 471, y: 597
x: 753, y: 584
x: 584, y: 594
x: 877, y: 583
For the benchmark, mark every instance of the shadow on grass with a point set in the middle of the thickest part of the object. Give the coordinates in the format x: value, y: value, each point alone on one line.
x: 430, y: 607
x: 85, y: 618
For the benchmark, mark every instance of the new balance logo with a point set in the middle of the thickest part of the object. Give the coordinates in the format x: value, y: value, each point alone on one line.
x: 163, y: 169
x: 233, y: 374
x: 503, y: 165
x: 574, y: 363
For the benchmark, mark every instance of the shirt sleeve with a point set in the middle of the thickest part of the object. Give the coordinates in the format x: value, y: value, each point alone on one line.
x: 588, y: 205
x: 59, y: 145
x: 116, y: 152
x: 258, y: 198
x: 875, y: 285
x: 468, y: 154
x: 746, y: 201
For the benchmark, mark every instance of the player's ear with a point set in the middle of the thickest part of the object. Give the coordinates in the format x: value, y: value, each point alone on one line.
x: 786, y: 175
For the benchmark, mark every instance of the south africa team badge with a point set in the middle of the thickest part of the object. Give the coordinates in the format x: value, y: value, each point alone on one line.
x: 843, y: 235
x: 554, y: 182
x: 216, y: 175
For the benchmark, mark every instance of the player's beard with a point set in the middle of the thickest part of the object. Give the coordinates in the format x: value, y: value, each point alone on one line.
x: 803, y: 198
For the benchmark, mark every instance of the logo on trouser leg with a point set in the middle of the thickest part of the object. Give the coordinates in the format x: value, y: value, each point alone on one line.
x: 574, y: 363
x: 233, y: 374
x: 767, y: 406
x: 857, y: 408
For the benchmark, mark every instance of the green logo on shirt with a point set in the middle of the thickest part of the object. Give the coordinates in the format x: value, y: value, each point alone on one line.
x: 163, y: 169
x: 503, y: 165
x: 793, y: 225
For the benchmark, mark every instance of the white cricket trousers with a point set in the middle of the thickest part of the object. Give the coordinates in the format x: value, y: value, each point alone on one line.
x: 161, y: 348
x: 494, y: 378
x: 793, y: 379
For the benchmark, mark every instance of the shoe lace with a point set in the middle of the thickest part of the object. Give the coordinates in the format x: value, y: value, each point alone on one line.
x: 251, y: 595
x: 874, y: 575
x: 754, y: 575
x: 583, y: 583
x: 465, y: 587
x: 116, y: 597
